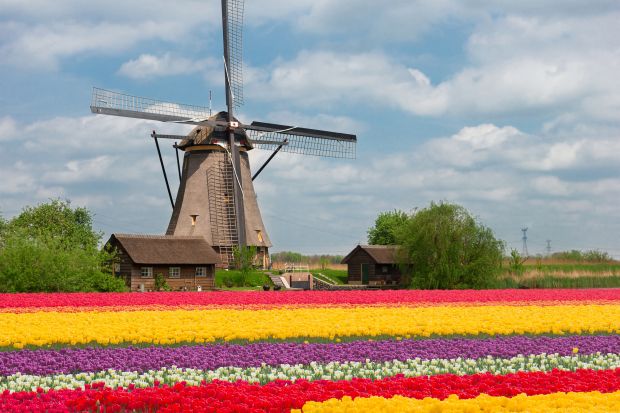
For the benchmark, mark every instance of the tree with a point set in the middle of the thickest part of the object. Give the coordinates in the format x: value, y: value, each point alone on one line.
x: 445, y: 248
x: 244, y: 262
x: 53, y: 247
x: 386, y: 227
x: 57, y: 221
x: 160, y: 283
x: 515, y: 262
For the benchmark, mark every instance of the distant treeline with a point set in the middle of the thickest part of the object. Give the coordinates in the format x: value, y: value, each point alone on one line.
x: 583, y: 256
x: 311, y: 260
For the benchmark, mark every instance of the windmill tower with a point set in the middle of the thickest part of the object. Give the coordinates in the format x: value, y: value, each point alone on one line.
x: 216, y: 197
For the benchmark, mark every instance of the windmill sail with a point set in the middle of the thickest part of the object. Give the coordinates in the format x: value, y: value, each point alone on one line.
x: 119, y: 104
x: 303, y: 141
x: 234, y: 33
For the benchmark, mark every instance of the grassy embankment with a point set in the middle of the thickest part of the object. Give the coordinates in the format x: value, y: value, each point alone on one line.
x: 233, y: 280
x: 535, y: 274
x: 331, y: 275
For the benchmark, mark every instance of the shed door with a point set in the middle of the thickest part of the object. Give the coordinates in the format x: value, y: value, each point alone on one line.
x: 365, y: 273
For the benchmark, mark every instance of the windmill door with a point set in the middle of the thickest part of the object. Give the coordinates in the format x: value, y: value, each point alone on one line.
x: 365, y: 268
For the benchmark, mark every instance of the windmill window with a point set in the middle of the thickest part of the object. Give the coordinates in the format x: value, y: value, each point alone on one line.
x: 259, y: 235
x: 174, y: 272
x: 194, y: 218
x: 146, y: 272
x: 201, y: 271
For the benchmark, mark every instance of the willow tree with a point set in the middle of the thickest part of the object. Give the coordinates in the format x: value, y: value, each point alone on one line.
x: 445, y: 247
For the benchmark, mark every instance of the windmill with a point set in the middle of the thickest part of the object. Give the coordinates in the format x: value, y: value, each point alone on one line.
x: 216, y: 197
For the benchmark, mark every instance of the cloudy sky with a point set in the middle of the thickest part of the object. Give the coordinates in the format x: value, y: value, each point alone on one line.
x: 510, y: 108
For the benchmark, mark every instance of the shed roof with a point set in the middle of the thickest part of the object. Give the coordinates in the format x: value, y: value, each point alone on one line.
x: 166, y: 249
x: 381, y: 254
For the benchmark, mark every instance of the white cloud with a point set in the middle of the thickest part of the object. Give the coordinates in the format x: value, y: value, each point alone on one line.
x: 149, y: 66
x: 518, y: 65
x: 37, y: 35
x: 401, y: 20
x: 84, y: 158
x: 323, y: 77
x: 550, y: 185
x: 485, y: 136
x: 503, y: 87
x: 41, y: 47
x: 8, y: 128
x: 82, y: 170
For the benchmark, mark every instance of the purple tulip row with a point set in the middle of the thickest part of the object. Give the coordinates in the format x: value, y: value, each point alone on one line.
x: 208, y: 357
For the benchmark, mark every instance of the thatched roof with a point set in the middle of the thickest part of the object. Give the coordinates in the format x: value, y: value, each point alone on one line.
x: 381, y: 254
x: 166, y: 249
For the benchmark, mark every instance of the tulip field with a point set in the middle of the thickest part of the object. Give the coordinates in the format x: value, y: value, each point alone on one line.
x: 311, y: 351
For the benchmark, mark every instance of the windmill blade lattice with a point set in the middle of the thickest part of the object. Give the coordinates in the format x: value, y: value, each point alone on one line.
x: 302, y: 144
x: 113, y: 103
x: 234, y: 13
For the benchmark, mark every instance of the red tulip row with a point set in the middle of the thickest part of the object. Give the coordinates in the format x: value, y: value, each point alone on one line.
x: 281, y: 396
x: 9, y: 302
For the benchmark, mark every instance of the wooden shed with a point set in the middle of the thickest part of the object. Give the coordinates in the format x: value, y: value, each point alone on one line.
x: 373, y: 265
x: 186, y: 263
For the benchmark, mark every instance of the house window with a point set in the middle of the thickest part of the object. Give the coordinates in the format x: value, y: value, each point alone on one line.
x: 146, y: 272
x: 384, y: 269
x: 174, y: 272
x: 117, y: 267
x: 201, y: 271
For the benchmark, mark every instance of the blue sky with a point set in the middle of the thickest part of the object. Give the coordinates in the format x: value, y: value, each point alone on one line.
x: 511, y: 109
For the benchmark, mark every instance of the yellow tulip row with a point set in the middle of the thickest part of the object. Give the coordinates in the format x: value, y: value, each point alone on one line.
x: 199, y: 326
x: 555, y: 402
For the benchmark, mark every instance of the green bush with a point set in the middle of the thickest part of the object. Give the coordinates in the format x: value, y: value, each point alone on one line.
x: 160, y: 283
x: 53, y: 248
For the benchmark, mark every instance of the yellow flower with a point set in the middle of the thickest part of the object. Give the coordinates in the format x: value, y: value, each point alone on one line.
x: 575, y: 350
x: 555, y: 402
x: 163, y: 327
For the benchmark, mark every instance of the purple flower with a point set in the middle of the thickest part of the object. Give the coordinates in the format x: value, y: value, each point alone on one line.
x: 208, y: 357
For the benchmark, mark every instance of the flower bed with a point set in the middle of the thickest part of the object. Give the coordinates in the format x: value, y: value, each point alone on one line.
x: 310, y: 351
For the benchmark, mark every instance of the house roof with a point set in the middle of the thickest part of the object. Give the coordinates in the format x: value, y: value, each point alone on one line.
x: 381, y: 254
x: 166, y: 249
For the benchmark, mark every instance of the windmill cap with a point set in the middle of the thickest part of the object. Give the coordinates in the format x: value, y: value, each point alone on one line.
x: 209, y: 135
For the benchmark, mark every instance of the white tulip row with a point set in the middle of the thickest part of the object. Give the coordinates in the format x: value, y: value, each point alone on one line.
x: 313, y: 371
